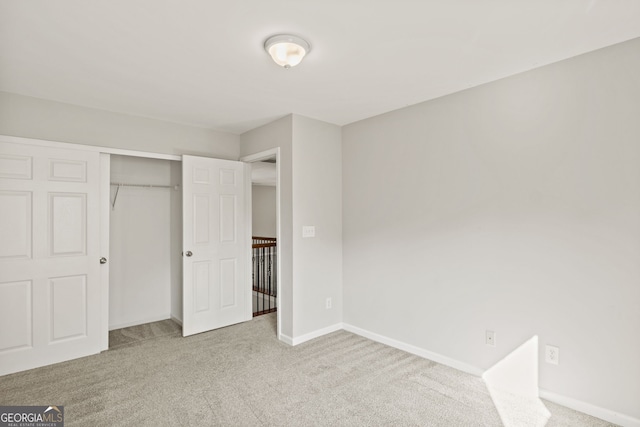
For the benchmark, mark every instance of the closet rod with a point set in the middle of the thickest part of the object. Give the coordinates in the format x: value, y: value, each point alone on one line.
x: 119, y: 184
x: 144, y: 185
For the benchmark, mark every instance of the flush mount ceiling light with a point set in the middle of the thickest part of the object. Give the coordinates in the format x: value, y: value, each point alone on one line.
x: 286, y: 50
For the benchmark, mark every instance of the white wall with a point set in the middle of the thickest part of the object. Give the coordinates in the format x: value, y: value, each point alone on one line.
x: 514, y: 207
x: 141, y: 262
x: 55, y: 121
x: 310, y: 194
x: 263, y: 210
x: 272, y: 135
x: 317, y: 201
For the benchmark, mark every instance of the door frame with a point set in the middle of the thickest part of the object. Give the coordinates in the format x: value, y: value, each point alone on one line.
x: 105, y: 215
x: 257, y: 157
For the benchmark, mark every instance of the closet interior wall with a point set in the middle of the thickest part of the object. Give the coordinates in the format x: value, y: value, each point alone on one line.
x: 145, y: 232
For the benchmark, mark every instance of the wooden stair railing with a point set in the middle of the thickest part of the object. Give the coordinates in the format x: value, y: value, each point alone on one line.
x: 264, y: 273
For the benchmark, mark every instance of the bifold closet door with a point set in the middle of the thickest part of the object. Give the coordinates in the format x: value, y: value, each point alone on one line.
x: 216, y: 290
x: 49, y: 255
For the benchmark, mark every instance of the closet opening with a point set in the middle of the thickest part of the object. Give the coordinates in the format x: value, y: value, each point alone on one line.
x: 145, y: 244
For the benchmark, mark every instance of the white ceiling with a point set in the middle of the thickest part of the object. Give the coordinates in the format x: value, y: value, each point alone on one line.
x: 201, y: 62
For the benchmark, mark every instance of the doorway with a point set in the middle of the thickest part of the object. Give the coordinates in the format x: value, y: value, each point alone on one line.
x: 264, y: 240
x: 271, y: 156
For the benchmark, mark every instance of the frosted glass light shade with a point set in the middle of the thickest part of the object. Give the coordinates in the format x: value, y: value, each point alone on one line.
x: 286, y: 50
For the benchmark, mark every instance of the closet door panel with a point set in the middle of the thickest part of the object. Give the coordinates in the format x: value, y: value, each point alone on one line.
x: 15, y: 224
x: 201, y: 286
x: 15, y: 167
x: 15, y: 310
x: 68, y: 307
x: 50, y: 296
x: 67, y: 224
x: 215, y: 237
x: 201, y: 219
x: 67, y: 170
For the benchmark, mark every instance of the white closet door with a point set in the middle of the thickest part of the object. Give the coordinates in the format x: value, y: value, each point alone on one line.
x: 216, y: 292
x: 49, y: 256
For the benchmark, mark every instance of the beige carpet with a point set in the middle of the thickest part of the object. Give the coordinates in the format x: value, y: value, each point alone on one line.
x: 242, y: 376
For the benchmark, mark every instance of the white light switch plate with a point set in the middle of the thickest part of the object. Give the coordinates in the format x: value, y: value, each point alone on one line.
x: 308, y: 231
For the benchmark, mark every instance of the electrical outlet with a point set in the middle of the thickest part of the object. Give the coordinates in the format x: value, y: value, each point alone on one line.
x: 490, y: 338
x: 552, y: 354
x: 328, y: 303
x: 308, y: 231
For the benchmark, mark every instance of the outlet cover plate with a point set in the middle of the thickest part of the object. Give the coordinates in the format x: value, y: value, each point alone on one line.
x: 552, y: 354
x: 490, y: 338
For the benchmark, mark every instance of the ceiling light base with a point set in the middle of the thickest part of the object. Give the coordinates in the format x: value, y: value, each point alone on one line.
x: 287, y: 50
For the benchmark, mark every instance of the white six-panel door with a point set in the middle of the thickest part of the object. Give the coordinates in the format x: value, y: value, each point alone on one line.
x: 215, y: 258
x: 49, y: 256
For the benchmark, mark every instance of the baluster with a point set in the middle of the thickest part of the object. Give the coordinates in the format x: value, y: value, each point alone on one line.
x: 269, y: 277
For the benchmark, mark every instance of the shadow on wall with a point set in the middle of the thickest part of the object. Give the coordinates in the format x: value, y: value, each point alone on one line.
x: 513, y: 386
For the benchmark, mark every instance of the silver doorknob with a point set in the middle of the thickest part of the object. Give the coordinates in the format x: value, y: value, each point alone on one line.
x: 189, y: 253
x: 103, y: 260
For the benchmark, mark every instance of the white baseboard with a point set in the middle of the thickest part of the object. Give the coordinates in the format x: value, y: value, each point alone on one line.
x: 456, y: 364
x: 316, y: 334
x: 286, y: 339
x: 311, y: 335
x: 178, y: 321
x: 140, y: 322
x: 589, y: 409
